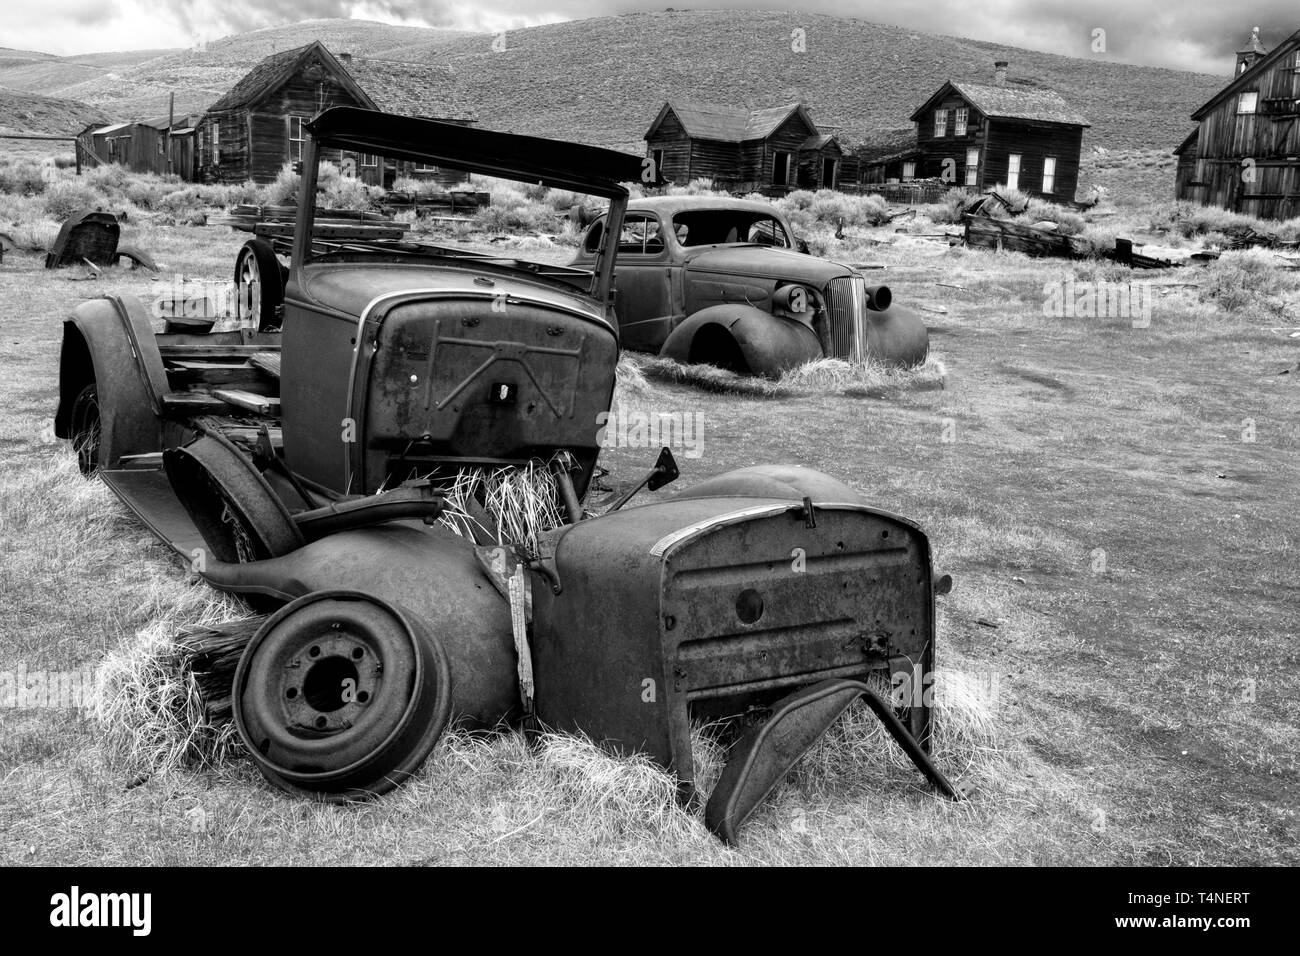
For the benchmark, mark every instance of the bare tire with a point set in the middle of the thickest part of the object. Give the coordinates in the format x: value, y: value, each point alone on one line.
x: 259, y: 284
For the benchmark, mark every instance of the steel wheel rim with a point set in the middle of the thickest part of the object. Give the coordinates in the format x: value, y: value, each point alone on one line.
x: 308, y: 738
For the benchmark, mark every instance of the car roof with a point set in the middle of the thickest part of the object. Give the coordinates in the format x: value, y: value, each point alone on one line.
x: 671, y: 205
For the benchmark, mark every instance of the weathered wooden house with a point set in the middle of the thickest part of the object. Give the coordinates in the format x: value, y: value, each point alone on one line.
x: 1012, y: 134
x: 151, y: 146
x: 1244, y: 154
x: 770, y: 150
x: 888, y: 156
x: 257, y: 126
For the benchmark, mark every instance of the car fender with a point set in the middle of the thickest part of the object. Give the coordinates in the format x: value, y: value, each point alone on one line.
x: 769, y: 344
x: 897, y: 336
x: 109, y: 342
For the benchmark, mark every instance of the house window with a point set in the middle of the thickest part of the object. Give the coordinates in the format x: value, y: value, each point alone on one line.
x: 425, y: 168
x: 215, y: 129
x: 1247, y: 102
x: 972, y: 167
x: 1013, y: 171
x: 1049, y: 174
x: 369, y: 159
x: 959, y: 121
x: 781, y: 169
x: 940, y: 122
x: 909, y: 172
x: 296, y: 137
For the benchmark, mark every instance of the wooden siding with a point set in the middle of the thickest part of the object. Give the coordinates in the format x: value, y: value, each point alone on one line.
x: 676, y: 145
x: 997, y: 139
x: 738, y: 167
x: 1232, y: 147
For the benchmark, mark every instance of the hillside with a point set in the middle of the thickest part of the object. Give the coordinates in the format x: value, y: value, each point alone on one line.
x: 23, y: 112
x: 602, y: 80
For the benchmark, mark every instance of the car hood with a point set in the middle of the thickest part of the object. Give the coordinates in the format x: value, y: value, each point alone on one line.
x: 350, y: 287
x: 764, y: 262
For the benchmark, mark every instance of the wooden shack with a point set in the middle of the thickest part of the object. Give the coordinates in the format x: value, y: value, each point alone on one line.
x: 257, y: 126
x: 1245, y: 152
x: 1007, y: 133
x: 771, y: 151
x: 151, y: 146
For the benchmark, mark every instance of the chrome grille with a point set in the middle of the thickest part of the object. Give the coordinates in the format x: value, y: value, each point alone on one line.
x: 846, y: 306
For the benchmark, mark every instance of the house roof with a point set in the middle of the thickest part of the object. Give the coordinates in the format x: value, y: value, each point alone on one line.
x: 276, y: 69
x: 1010, y: 102
x: 103, y: 130
x: 1241, y: 80
x: 1254, y: 44
x: 729, y: 124
x: 880, y: 145
x: 1189, y: 142
x: 819, y: 141
x: 411, y: 89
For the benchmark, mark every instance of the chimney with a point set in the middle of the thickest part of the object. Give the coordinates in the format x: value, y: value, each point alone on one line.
x: 345, y: 59
x: 1000, y: 72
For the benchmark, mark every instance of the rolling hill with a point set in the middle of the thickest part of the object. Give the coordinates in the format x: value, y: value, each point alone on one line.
x: 22, y: 112
x: 602, y: 80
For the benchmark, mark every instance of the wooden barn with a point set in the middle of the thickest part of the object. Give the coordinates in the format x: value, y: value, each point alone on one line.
x: 1244, y: 154
x: 771, y: 151
x: 152, y: 146
x: 1005, y: 133
x: 257, y: 127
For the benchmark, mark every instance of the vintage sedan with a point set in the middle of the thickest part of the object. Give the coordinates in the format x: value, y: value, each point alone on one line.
x: 706, y: 279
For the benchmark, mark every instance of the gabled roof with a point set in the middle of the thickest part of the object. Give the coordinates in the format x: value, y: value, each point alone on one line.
x: 1289, y: 45
x: 730, y: 124
x: 1009, y: 102
x: 819, y: 141
x: 411, y: 89
x: 1189, y: 143
x: 277, y: 69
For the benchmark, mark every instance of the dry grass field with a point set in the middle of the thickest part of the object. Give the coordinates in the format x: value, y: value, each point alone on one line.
x: 1118, y: 659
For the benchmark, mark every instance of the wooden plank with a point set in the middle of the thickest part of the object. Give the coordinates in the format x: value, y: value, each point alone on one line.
x: 212, y: 373
x: 261, y: 404
x: 268, y: 362
x: 185, y: 404
x: 210, y: 351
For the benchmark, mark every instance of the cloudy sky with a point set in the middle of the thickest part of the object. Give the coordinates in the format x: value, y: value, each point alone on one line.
x: 1197, y: 35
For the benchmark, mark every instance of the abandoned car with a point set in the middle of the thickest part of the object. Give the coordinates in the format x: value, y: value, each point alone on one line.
x: 727, y: 282
x: 310, y: 465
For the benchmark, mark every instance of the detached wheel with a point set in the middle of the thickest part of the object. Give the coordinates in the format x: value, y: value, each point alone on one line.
x: 86, y: 429
x: 341, y: 696
x: 259, y: 284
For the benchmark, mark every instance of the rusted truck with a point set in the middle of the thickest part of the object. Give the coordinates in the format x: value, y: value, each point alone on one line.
x: 306, y: 465
x: 727, y: 282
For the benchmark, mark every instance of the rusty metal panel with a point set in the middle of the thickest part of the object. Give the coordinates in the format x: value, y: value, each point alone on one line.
x: 712, y: 606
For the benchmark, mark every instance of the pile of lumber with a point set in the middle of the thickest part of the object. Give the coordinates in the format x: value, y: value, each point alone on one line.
x: 458, y: 205
x: 278, y: 222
